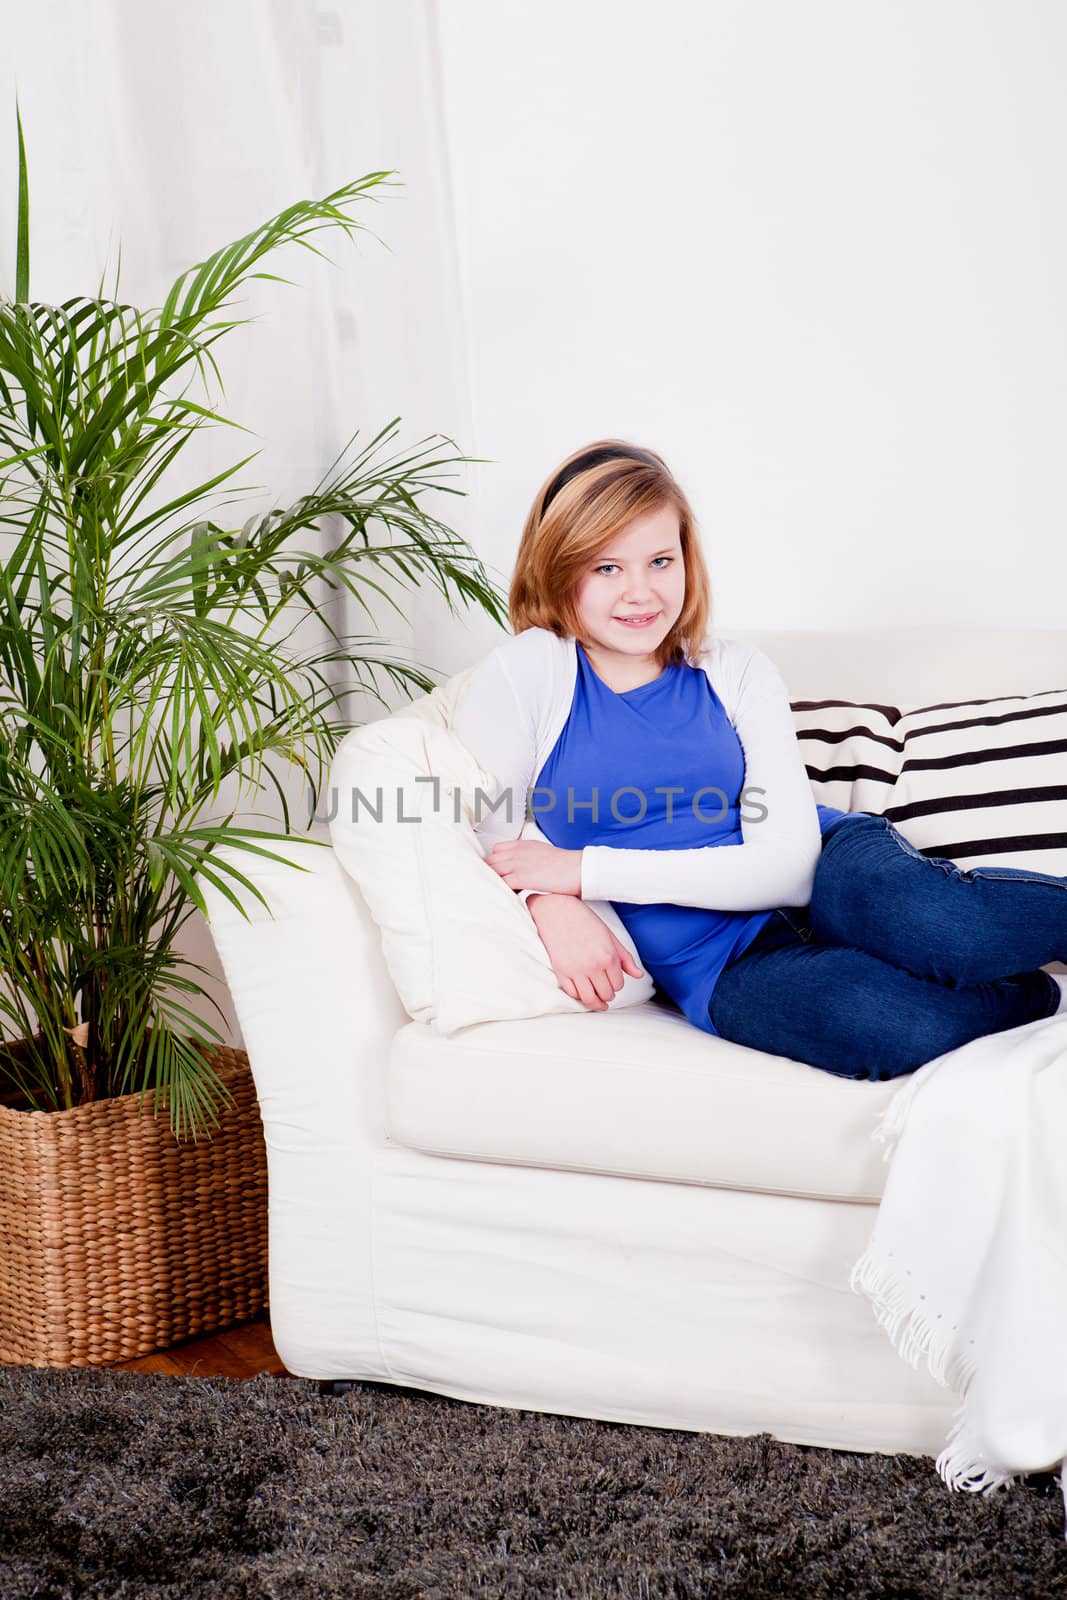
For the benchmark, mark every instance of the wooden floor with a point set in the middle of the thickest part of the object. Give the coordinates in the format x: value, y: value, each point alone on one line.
x: 240, y: 1352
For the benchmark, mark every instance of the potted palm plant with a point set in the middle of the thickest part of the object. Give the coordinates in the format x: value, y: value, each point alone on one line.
x: 152, y: 675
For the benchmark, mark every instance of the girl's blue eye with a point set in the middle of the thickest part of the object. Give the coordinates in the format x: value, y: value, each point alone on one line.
x: 605, y: 564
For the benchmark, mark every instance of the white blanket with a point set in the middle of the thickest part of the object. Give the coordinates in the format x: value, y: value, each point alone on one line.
x: 967, y: 1262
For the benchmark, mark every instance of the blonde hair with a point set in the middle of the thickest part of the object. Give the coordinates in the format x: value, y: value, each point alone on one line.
x: 586, y: 501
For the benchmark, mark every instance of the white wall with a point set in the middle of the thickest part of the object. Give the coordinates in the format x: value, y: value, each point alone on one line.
x: 815, y: 254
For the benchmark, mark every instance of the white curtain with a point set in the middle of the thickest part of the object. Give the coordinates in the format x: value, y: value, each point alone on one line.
x: 170, y: 129
x: 173, y: 128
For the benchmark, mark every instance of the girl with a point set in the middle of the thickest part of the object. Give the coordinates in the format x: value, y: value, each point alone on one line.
x: 664, y: 774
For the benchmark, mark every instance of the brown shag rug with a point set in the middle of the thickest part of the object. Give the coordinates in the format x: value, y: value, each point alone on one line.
x: 124, y: 1485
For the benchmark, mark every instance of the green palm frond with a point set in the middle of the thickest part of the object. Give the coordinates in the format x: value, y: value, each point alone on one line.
x: 153, y: 652
x: 22, y: 242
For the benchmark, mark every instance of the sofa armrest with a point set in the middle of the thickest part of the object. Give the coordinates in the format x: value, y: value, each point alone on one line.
x: 310, y: 988
x: 318, y: 1012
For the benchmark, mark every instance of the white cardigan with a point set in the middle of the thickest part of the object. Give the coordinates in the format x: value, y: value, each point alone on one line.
x: 513, y: 707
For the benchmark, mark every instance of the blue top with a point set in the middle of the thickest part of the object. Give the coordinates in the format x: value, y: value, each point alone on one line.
x: 599, y: 786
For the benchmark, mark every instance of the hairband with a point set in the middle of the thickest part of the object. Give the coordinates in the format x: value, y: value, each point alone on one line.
x: 594, y: 458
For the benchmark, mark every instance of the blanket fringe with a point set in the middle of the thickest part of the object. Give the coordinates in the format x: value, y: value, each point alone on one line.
x: 963, y: 1466
x: 900, y: 1308
x: 901, y: 1311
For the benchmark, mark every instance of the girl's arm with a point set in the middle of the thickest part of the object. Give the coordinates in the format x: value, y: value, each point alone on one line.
x: 490, y: 720
x: 589, y: 961
x: 775, y: 865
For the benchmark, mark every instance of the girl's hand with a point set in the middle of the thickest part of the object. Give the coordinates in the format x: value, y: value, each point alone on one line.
x: 529, y: 864
x: 587, y: 958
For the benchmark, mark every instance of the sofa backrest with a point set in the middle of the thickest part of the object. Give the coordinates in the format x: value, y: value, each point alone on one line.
x: 915, y: 665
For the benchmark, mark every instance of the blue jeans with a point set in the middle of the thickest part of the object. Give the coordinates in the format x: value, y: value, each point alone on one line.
x: 898, y: 958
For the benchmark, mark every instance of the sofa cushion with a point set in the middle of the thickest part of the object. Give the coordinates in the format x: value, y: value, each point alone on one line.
x: 460, y: 945
x: 984, y: 782
x: 852, y: 752
x: 641, y: 1095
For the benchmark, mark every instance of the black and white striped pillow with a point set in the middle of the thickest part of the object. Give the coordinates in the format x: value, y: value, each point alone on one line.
x: 852, y: 752
x: 984, y: 782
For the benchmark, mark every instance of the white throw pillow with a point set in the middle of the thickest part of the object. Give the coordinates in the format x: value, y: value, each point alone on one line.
x: 461, y: 947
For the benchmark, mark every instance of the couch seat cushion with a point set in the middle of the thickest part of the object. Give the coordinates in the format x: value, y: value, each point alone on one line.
x: 638, y: 1093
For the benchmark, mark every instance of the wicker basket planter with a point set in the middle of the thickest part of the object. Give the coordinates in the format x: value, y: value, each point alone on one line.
x: 116, y: 1239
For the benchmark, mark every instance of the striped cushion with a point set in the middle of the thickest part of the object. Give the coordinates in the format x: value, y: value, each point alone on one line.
x: 852, y: 752
x: 984, y: 782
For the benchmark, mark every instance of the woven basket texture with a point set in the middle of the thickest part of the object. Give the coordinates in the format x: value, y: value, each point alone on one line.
x: 117, y: 1239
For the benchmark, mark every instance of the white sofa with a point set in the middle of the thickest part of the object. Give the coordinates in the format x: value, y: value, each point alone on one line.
x: 609, y: 1215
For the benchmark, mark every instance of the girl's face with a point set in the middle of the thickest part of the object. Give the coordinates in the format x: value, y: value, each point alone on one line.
x: 640, y: 573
